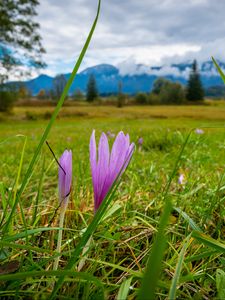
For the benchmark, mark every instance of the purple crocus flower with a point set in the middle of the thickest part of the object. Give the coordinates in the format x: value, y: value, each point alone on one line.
x: 110, y: 134
x: 65, y: 176
x: 140, y: 141
x: 181, y: 179
x: 199, y: 131
x: 106, y: 166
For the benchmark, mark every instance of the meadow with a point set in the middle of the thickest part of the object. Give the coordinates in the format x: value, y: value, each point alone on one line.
x: 118, y: 251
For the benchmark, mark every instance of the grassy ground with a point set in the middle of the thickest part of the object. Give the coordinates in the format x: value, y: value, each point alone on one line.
x: 119, y: 248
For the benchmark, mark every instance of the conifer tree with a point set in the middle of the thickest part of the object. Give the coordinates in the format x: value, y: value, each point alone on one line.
x: 92, y: 90
x: 195, y: 91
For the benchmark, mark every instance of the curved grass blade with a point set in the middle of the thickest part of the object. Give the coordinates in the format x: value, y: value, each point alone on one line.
x: 124, y: 289
x: 68, y: 273
x: 30, y: 232
x: 24, y: 247
x: 175, y: 281
x: 52, y: 120
x: 208, y: 241
x: 222, y: 75
x: 188, y: 219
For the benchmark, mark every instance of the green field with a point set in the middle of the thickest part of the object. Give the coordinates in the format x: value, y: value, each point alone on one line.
x: 120, y: 246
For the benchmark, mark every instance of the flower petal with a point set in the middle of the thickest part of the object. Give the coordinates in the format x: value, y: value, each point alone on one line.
x: 118, y: 155
x: 65, y: 175
x: 102, y: 166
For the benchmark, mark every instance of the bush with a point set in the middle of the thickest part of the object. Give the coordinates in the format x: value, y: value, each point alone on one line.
x: 7, y: 99
x: 172, y: 93
x: 159, y: 84
x: 141, y: 98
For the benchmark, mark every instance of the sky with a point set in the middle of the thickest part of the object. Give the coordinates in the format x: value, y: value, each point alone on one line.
x: 130, y: 32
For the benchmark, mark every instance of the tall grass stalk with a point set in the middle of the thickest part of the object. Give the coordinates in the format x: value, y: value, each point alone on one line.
x: 52, y: 120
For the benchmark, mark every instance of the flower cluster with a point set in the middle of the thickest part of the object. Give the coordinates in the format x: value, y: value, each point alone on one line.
x: 106, y: 166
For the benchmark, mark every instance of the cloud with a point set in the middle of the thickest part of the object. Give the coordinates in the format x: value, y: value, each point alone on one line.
x: 145, y: 32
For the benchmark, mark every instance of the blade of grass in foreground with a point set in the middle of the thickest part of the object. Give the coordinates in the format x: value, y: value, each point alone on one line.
x: 219, y: 70
x: 54, y: 115
x: 153, y: 268
x: 208, y: 241
x: 175, y: 281
x: 43, y: 274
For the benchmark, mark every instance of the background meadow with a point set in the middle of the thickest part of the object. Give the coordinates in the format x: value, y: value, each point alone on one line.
x: 122, y: 241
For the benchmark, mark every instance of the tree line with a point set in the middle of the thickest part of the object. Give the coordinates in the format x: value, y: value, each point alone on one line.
x: 164, y: 91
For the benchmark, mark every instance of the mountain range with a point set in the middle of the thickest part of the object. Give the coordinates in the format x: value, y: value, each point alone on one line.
x: 134, y: 78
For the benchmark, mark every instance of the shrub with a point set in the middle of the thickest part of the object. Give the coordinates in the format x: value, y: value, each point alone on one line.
x: 172, y: 93
x: 7, y: 98
x: 159, y: 84
x: 141, y: 98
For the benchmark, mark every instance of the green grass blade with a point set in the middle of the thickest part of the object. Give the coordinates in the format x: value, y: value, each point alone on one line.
x: 39, y: 193
x: 153, y: 268
x: 222, y: 75
x: 23, y: 275
x: 26, y: 233
x: 220, y: 284
x: 54, y: 115
x: 154, y: 263
x: 124, y: 289
x: 24, y: 247
x: 200, y: 256
x: 208, y: 241
x: 175, y: 281
x: 188, y: 219
x: 136, y: 274
x: 3, y: 198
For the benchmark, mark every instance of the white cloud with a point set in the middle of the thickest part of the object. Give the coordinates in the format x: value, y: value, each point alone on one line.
x: 144, y: 32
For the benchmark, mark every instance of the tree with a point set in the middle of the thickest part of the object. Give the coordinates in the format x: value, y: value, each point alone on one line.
x: 23, y: 93
x: 78, y: 95
x: 59, y: 83
x: 20, y: 42
x: 195, y: 90
x: 42, y: 94
x: 92, y: 90
x: 159, y: 84
x: 7, y: 98
x: 141, y: 98
x: 167, y: 91
x: 172, y: 92
x: 120, y: 96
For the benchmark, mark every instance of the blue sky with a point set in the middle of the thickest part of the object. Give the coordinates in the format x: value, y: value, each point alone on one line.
x: 149, y: 32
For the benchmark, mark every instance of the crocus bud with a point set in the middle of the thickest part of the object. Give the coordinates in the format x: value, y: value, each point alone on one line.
x: 65, y: 176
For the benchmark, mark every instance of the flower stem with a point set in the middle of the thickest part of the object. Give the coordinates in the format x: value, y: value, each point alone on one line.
x: 59, y: 241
